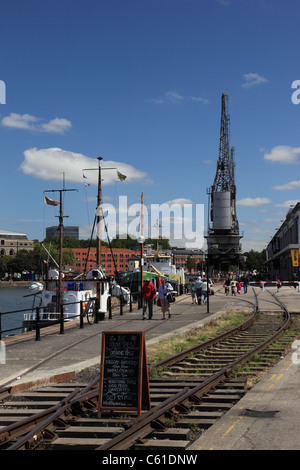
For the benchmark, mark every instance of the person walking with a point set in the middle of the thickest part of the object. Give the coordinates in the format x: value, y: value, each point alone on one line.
x: 193, y: 292
x: 204, y: 287
x: 233, y: 287
x: 163, y: 290
x: 227, y: 286
x: 148, y: 294
x: 278, y: 284
x: 198, y: 288
x: 245, y: 282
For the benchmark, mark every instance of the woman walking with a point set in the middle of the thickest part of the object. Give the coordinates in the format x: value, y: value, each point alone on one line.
x: 162, y: 294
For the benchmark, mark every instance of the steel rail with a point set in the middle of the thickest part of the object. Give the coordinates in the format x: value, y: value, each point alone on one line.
x: 163, y: 364
x: 36, y: 424
x: 145, y: 424
x: 138, y: 431
x: 43, y: 418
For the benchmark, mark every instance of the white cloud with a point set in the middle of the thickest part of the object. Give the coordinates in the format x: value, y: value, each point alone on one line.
x: 272, y: 220
x: 283, y: 154
x: 172, y: 97
x: 288, y: 186
x: 253, y: 79
x: 33, y: 123
x: 51, y: 163
x: 18, y: 121
x: 287, y: 204
x: 179, y: 201
x: 57, y: 126
x: 253, y: 202
x: 253, y: 244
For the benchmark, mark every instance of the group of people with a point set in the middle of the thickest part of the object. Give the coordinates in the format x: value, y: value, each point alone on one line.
x: 149, y: 295
x: 235, y: 287
x: 198, y: 289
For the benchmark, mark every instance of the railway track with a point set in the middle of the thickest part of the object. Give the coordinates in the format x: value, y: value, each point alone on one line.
x: 189, y: 392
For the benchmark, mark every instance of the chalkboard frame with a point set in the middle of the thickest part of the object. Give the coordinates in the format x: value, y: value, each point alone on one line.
x: 141, y: 374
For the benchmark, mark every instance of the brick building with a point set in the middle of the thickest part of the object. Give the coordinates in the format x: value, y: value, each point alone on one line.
x: 181, y: 255
x: 121, y: 257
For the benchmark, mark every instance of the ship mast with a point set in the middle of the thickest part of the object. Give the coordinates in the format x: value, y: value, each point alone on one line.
x: 61, y: 234
x: 99, y: 207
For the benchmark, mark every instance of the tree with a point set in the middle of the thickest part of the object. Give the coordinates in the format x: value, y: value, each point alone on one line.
x: 190, y: 264
x: 255, y: 261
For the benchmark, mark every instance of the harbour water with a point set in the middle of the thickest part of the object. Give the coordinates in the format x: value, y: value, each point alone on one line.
x: 11, y: 299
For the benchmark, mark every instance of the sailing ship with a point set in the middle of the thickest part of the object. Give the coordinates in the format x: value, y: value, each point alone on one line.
x: 63, y: 296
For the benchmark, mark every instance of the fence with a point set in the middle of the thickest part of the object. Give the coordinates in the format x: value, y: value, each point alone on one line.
x: 93, y: 316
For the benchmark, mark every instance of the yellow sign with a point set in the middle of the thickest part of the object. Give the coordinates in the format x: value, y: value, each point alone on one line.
x: 295, y: 258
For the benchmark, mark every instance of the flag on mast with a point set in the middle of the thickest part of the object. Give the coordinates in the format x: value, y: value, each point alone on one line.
x: 50, y: 202
x: 121, y: 177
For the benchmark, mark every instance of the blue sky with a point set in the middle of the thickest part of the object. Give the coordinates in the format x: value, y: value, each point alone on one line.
x: 139, y: 82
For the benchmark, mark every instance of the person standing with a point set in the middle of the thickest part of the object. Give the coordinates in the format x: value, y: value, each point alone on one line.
x: 149, y: 294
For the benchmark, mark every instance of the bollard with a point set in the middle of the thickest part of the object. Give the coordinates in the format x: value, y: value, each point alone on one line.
x: 109, y: 307
x: 37, y: 324
x: 61, y: 319
x: 121, y: 306
x: 81, y: 314
x: 96, y: 316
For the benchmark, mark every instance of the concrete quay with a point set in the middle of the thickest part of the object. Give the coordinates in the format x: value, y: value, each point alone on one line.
x: 268, y: 417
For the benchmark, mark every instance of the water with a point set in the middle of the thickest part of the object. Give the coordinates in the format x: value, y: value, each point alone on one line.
x: 11, y: 299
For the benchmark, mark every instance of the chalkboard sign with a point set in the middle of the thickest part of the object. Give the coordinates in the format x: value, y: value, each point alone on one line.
x: 124, y: 379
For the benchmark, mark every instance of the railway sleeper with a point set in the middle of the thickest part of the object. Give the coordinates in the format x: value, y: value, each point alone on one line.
x: 79, y: 432
x: 162, y: 444
x: 69, y: 443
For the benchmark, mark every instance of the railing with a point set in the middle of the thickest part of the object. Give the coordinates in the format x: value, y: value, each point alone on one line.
x: 96, y: 316
x: 264, y: 284
x: 38, y: 311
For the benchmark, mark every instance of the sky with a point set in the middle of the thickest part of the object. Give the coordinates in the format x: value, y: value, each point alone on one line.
x: 139, y: 83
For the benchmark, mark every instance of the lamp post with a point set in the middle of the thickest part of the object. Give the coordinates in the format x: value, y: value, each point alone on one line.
x: 141, y: 242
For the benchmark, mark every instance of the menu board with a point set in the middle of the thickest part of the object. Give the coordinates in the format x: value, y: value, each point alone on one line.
x: 124, y: 380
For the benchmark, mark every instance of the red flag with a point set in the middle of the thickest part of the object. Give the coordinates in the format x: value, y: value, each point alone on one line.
x: 50, y: 201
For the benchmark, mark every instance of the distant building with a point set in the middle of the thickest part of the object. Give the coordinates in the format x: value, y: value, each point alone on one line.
x: 281, y: 259
x: 68, y: 231
x: 13, y: 242
x: 181, y: 255
x: 120, y: 258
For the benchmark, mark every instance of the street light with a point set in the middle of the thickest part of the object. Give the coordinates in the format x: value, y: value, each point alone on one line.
x: 207, y: 272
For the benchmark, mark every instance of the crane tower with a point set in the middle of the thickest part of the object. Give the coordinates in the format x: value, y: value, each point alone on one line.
x: 223, y: 237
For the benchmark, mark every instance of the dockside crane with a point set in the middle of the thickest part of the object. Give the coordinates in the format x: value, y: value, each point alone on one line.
x: 223, y: 237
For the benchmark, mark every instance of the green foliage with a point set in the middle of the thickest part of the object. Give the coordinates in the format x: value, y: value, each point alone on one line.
x: 255, y: 260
